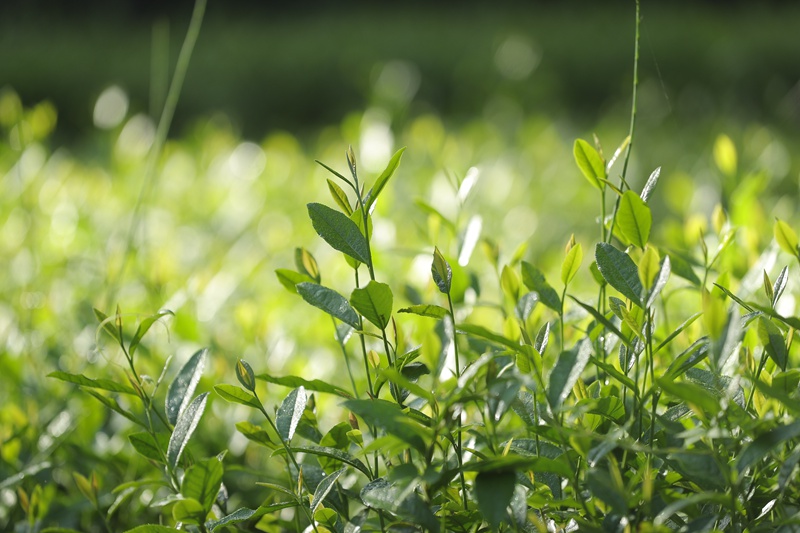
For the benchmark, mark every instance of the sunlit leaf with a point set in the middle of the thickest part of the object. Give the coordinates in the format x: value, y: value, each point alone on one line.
x: 590, y: 162
x: 339, y: 231
x: 180, y: 391
x: 571, y: 264
x: 441, y: 271
x: 290, y: 412
x: 428, y: 310
x: 566, y: 372
x: 634, y: 219
x: 619, y: 270
x: 533, y: 278
x: 184, y: 428
x: 235, y: 394
x: 329, y: 301
x: 380, y: 183
x: 374, y: 302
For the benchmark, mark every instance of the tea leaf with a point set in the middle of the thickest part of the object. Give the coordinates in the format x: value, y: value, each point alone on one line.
x: 152, y: 528
x: 650, y: 186
x: 290, y: 412
x: 765, y: 443
x: 103, y: 384
x: 603, y: 320
x: 315, y: 385
x: 649, y: 267
x: 725, y: 155
x: 184, y: 428
x: 566, y: 372
x: 785, y: 237
x: 634, y: 219
x: 406, y: 504
x: 144, y: 326
x: 590, y: 163
x: 374, y: 302
x: 780, y: 285
x: 234, y: 394
x: 202, y: 481
x: 392, y: 419
x: 245, y: 375
x: 324, y: 488
x: 619, y: 270
x: 660, y: 282
x: 494, y: 490
x: 290, y: 279
x: 428, y: 310
x: 107, y: 325
x: 306, y: 264
x: 482, y: 332
x: 329, y: 301
x: 182, y: 387
x: 331, y: 453
x: 146, y: 445
x: 380, y: 183
x: 340, y: 197
x: 772, y: 339
x: 239, y: 515
x: 188, y: 511
x: 112, y: 404
x: 339, y: 231
x: 571, y: 264
x: 441, y: 272
x: 255, y: 434
x: 533, y: 278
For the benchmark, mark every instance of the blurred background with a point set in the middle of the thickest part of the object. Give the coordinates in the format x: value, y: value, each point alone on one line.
x: 488, y: 98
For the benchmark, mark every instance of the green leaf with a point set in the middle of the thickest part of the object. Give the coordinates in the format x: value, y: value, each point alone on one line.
x: 289, y: 279
x: 374, y: 302
x: 567, y: 371
x: 780, y: 285
x: 766, y: 443
x: 603, y: 487
x: 108, y: 325
x: 725, y: 155
x: 152, y: 528
x: 202, y: 481
x: 306, y: 264
x: 604, y: 321
x: 182, y: 387
x: 239, y: 515
x: 399, y: 500
x: 144, y: 326
x: 772, y: 339
x: 480, y: 331
x: 245, y: 375
x: 112, y: 404
x: 380, y: 183
x: 188, y: 511
x: 691, y: 394
x: 494, y: 490
x: 146, y: 445
x: 533, y: 278
x: 634, y: 219
x: 340, y: 197
x: 785, y: 237
x: 315, y: 385
x: 290, y: 412
x: 650, y: 186
x: 660, y: 281
x: 619, y: 270
x: 324, y: 488
x: 103, y: 384
x: 329, y: 301
x: 441, y: 272
x: 331, y: 453
x: 590, y: 163
x: 392, y: 419
x: 571, y: 264
x: 255, y: 434
x: 235, y: 394
x: 649, y: 267
x: 184, y: 427
x: 339, y: 231
x: 428, y: 310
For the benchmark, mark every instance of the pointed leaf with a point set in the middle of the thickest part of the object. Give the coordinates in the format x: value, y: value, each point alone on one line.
x: 324, y: 488
x: 146, y: 445
x: 152, y: 528
x: 245, y: 375
x: 184, y: 428
x: 315, y: 385
x: 765, y: 443
x: 202, y: 481
x: 603, y: 320
x: 542, y: 338
x: 340, y: 197
x: 329, y: 301
x: 567, y: 371
x: 428, y: 310
x: 405, y: 503
x: 182, y: 387
x: 108, y: 326
x: 660, y: 282
x: 650, y: 186
x: 112, y: 404
x: 441, y: 271
x: 392, y: 419
x: 290, y: 412
x: 339, y: 231
x: 649, y: 267
x: 780, y: 285
x: 234, y: 394
x: 772, y: 339
x: 332, y: 453
x: 290, y: 279
x: 255, y: 434
x: 239, y: 515
x: 374, y: 302
x: 785, y: 237
x: 533, y: 278
x: 619, y: 270
x: 103, y: 384
x: 306, y: 264
x: 590, y: 162
x: 571, y: 264
x: 494, y: 490
x: 144, y: 326
x: 380, y: 183
x: 634, y: 219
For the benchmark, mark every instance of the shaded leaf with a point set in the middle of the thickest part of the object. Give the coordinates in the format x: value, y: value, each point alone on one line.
x: 533, y: 278
x: 234, y: 394
x: 182, y: 387
x: 152, y: 528
x: 765, y: 443
x: 398, y: 500
x: 607, y: 324
x: 619, y: 270
x: 339, y: 231
x: 289, y: 279
x: 392, y: 419
x: 112, y: 404
x: 103, y: 384
x: 146, y: 445
x: 329, y: 301
x: 239, y: 515
x: 143, y: 328
x: 255, y: 434
x: 324, y: 487
x: 315, y: 385
x: 184, y: 428
x: 772, y: 339
x: 567, y: 371
x: 202, y: 481
x: 494, y: 490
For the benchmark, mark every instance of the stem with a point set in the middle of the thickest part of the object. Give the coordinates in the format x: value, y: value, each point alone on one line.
x: 761, y: 363
x: 346, y: 362
x: 458, y: 376
x: 160, y: 138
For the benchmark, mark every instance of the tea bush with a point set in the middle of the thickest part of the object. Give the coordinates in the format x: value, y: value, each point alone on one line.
x: 637, y: 374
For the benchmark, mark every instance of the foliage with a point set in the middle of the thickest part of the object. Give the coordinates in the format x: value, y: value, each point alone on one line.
x: 644, y: 378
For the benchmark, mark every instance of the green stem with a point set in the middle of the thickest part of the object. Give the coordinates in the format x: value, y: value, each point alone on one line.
x: 160, y: 138
x: 458, y: 376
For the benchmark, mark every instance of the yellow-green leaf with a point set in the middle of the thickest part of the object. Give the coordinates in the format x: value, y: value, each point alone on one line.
x: 786, y: 238
x: 649, y: 266
x: 572, y: 262
x: 590, y: 163
x: 634, y: 218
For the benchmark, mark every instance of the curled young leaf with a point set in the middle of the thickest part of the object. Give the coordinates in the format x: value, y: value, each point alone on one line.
x: 441, y: 271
